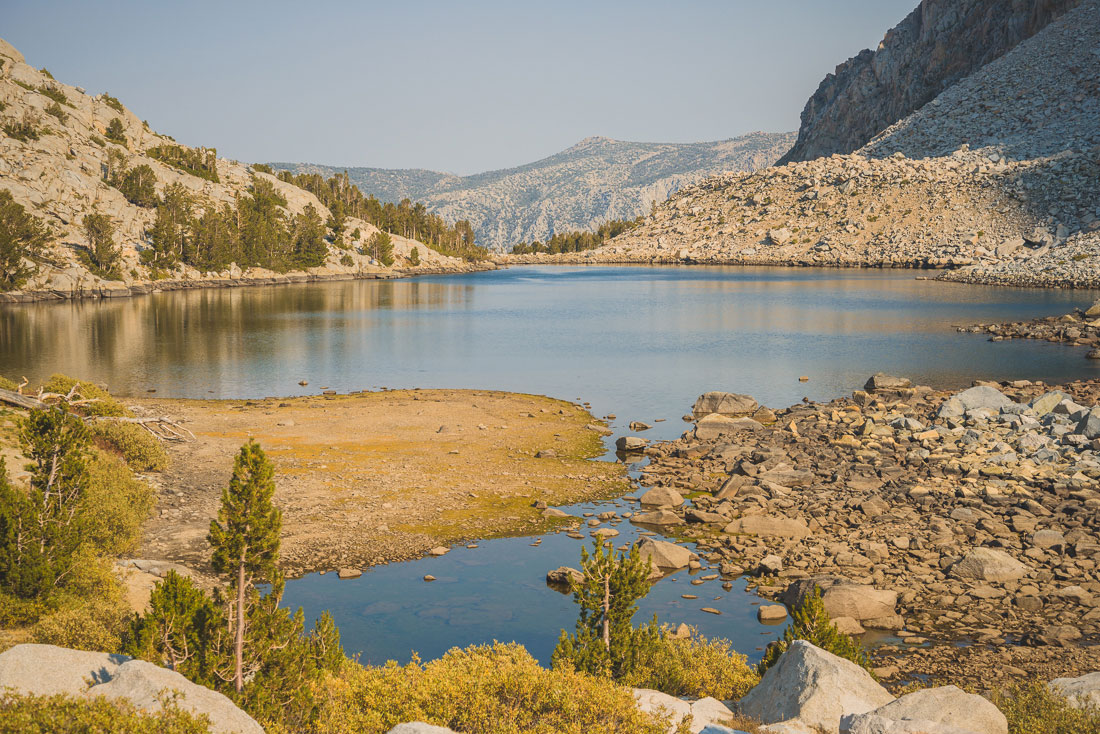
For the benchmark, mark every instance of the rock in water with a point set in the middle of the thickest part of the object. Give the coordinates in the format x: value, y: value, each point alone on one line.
x: 815, y: 687
x: 724, y: 403
x: 949, y: 707
x: 563, y: 575
x: 662, y: 497
x: 631, y: 443
x: 883, y: 381
x: 663, y: 554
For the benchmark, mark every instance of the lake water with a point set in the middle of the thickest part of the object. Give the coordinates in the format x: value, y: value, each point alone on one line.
x: 639, y: 342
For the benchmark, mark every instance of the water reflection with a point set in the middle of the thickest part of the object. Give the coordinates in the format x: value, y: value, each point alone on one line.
x: 642, y: 341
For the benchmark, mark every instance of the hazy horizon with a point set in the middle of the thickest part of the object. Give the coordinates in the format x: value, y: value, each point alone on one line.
x: 459, y: 89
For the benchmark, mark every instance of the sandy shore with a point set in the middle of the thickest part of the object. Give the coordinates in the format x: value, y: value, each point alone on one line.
x: 382, y: 476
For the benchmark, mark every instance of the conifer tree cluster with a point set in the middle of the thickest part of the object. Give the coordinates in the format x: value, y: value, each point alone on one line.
x: 22, y: 239
x: 578, y: 241
x: 407, y: 219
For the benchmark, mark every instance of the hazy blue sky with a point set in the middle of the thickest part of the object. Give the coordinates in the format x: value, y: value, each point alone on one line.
x: 456, y: 86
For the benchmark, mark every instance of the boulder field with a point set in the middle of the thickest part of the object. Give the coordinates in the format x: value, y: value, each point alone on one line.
x: 936, y: 517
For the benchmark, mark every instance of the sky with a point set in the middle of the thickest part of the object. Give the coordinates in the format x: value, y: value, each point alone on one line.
x: 454, y: 86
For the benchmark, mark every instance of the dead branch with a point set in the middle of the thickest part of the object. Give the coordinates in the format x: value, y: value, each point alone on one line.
x: 161, y: 427
x: 21, y: 401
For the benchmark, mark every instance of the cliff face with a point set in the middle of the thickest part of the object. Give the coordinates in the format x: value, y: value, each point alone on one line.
x: 577, y: 189
x: 938, y: 44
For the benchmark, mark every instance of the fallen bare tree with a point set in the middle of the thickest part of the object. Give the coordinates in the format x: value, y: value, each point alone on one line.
x: 162, y: 427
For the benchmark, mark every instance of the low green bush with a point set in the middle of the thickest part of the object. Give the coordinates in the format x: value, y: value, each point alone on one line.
x: 64, y: 714
x: 1032, y: 708
x: 7, y: 384
x: 695, y: 667
x: 97, y: 625
x: 115, y: 506
x: 139, y: 449
x: 493, y: 689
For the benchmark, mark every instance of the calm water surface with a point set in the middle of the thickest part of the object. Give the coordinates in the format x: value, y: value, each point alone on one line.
x: 640, y: 342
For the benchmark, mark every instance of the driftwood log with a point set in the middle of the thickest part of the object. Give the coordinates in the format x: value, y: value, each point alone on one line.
x: 162, y: 427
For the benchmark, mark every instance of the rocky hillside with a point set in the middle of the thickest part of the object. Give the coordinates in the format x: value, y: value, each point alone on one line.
x: 938, y: 44
x: 998, y: 177
x: 596, y: 180
x: 55, y: 155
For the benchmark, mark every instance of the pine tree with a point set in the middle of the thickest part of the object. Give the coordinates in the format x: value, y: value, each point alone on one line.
x: 40, y: 530
x: 608, y: 597
x: 414, y: 257
x: 810, y: 622
x: 22, y: 237
x: 102, y: 252
x: 115, y: 131
x: 310, y: 250
x: 380, y: 247
x: 245, y: 538
x: 178, y: 628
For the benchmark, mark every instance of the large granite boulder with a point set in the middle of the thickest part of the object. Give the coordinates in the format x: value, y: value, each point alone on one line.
x: 661, y: 497
x: 665, y: 555
x: 883, y: 381
x: 843, y: 598
x: 989, y: 564
x: 976, y: 398
x: 724, y: 403
x: 949, y: 708
x: 1081, y: 692
x: 46, y: 670
x: 815, y: 687
x: 714, y: 426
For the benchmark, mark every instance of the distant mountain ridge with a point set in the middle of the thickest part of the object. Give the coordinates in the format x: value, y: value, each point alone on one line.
x: 596, y: 180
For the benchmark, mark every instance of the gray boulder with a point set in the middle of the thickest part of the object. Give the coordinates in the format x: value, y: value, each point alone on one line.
x: 872, y: 724
x: 982, y: 397
x: 714, y: 426
x: 948, y: 707
x: 663, y: 554
x: 631, y: 443
x: 883, y: 381
x: 843, y: 598
x: 657, y: 517
x: 419, y: 727
x: 145, y: 684
x: 661, y: 704
x: 662, y: 496
x: 989, y: 564
x: 1046, y: 402
x: 724, y: 403
x: 815, y: 687
x: 46, y: 670
x: 1081, y: 692
x: 1089, y: 425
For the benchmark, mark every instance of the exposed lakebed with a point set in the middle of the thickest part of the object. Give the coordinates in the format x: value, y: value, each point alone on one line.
x: 639, y: 342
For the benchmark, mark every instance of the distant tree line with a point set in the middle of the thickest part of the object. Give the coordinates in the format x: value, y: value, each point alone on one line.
x: 408, y: 219
x: 578, y: 241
